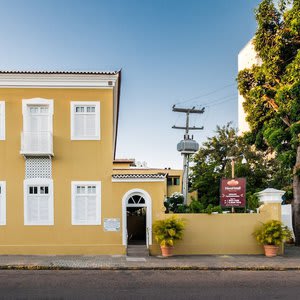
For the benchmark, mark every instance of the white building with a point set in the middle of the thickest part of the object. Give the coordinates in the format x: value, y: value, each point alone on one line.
x: 246, y: 59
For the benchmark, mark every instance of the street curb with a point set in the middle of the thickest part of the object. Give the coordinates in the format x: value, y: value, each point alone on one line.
x: 150, y: 268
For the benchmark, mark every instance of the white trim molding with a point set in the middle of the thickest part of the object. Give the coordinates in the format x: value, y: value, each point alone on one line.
x: 138, y: 177
x: 3, y: 203
x: 39, y: 182
x: 148, y: 205
x: 86, y: 184
x: 137, y: 180
x: 59, y: 80
x: 37, y: 101
x: 37, y: 142
x: 2, y: 120
x: 97, y: 136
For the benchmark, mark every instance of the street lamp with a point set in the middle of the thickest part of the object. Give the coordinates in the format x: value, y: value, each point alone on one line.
x: 232, y: 158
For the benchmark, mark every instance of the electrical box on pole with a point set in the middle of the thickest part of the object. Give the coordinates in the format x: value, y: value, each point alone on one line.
x: 187, y: 146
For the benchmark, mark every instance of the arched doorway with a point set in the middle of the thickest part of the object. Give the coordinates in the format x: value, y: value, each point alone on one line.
x: 137, y: 217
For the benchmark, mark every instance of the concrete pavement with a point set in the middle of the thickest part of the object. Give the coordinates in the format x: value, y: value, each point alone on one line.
x: 289, y: 261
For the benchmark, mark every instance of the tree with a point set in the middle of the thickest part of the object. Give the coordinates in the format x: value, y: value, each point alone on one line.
x: 212, y: 162
x: 272, y: 90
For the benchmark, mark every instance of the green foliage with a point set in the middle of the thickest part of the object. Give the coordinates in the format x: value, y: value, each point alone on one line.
x: 212, y: 163
x: 196, y: 206
x: 252, y: 201
x: 210, y: 209
x: 167, y: 231
x: 272, y: 233
x: 272, y: 89
x: 174, y: 203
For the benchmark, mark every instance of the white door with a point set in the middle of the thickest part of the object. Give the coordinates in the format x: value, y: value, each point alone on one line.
x: 38, y: 118
x: 38, y: 130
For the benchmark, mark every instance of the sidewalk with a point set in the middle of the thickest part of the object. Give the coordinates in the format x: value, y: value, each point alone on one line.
x: 290, y: 261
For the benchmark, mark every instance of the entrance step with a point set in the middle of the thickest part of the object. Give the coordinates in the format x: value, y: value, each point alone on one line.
x: 137, y: 250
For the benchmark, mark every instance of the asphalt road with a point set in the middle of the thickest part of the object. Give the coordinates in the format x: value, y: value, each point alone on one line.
x: 149, y: 284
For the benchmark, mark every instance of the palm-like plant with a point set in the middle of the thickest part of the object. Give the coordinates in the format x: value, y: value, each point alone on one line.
x: 168, y: 230
x: 272, y: 233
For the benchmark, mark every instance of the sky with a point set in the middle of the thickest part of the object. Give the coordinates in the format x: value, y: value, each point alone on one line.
x: 170, y: 52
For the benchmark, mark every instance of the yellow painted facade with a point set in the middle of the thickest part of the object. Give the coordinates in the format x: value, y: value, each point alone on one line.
x: 94, y: 161
x: 73, y: 160
x: 222, y: 233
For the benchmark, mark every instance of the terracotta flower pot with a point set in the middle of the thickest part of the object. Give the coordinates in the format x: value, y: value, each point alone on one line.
x: 271, y: 250
x: 166, y: 251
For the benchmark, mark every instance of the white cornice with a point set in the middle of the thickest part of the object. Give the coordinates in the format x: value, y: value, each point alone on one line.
x: 138, y: 180
x: 57, y: 80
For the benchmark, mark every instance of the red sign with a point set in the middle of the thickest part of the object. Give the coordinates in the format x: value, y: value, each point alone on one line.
x: 233, y: 192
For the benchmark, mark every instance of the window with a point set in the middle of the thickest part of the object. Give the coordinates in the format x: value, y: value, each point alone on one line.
x: 2, y: 203
x: 86, y: 203
x: 2, y: 120
x: 173, y: 181
x: 38, y: 202
x: 37, y: 115
x: 85, y: 120
x: 176, y: 181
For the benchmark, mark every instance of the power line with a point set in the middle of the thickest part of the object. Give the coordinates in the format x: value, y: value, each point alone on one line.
x: 206, y: 94
x: 217, y: 103
x: 218, y: 99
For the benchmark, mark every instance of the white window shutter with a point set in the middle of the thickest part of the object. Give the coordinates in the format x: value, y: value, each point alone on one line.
x: 2, y: 120
x: 32, y: 210
x: 1, y: 116
x: 90, y: 125
x: 79, y: 125
x: 91, y: 209
x: 44, y: 213
x: 38, y: 205
x: 86, y: 203
x: 85, y: 120
x: 44, y: 123
x: 3, y: 203
x: 79, y: 214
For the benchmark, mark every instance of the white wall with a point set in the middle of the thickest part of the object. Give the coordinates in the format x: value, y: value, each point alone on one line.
x: 246, y: 59
x: 286, y: 215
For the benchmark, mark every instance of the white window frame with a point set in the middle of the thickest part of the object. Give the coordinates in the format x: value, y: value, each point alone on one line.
x: 37, y: 101
x: 74, y: 184
x: 39, y: 181
x: 3, y: 203
x: 2, y: 120
x: 97, y: 136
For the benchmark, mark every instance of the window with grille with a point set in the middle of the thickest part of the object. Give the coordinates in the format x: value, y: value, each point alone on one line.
x: 86, y: 203
x: 38, y: 202
x: 85, y: 120
x: 2, y: 120
x: 2, y: 203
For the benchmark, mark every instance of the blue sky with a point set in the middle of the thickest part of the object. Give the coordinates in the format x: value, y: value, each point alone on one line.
x: 170, y: 51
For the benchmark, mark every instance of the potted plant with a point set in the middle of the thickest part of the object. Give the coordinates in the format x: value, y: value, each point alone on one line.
x: 272, y: 234
x: 166, y: 232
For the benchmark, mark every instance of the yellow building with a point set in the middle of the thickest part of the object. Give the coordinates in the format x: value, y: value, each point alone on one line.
x: 62, y: 191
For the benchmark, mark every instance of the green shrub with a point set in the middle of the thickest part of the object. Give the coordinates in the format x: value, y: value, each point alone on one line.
x: 168, y: 230
x: 210, y: 209
x: 272, y: 233
x: 195, y: 206
x: 173, y: 202
x: 252, y: 201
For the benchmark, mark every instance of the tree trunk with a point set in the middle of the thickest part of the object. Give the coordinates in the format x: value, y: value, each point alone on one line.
x: 296, y: 200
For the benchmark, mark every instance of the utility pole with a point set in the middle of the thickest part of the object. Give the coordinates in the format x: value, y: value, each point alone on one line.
x: 187, y: 146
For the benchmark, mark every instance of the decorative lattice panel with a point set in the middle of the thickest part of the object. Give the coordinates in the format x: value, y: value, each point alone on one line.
x: 38, y: 167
